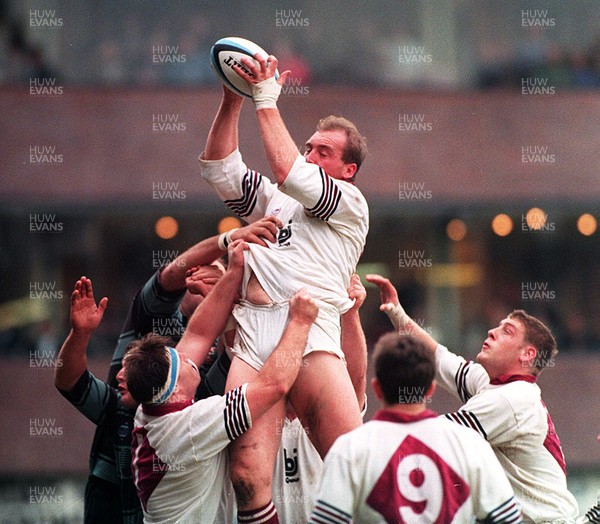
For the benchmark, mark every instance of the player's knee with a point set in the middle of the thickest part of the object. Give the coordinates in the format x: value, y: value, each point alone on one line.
x: 248, y: 483
x: 244, y: 491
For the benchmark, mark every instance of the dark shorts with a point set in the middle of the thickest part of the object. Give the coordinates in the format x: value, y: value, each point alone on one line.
x: 102, y: 503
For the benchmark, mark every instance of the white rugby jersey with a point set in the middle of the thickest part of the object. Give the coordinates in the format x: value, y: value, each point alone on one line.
x: 510, y: 414
x: 298, y: 470
x: 413, y: 469
x: 179, y: 462
x: 325, y: 227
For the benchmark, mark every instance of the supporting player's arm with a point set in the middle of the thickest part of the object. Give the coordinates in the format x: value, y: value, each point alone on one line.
x: 85, y: 316
x: 263, y: 231
x: 281, y: 369
x: 354, y: 344
x: 210, y: 317
x: 402, y: 322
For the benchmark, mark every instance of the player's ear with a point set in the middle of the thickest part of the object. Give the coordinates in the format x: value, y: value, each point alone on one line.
x: 350, y: 171
x: 377, y: 388
x: 431, y: 390
x: 528, y: 356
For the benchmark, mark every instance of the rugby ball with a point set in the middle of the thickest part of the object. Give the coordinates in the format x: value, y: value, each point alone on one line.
x: 228, y: 51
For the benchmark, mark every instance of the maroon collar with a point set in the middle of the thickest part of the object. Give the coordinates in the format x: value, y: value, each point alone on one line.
x: 505, y: 379
x: 166, y: 408
x: 389, y: 415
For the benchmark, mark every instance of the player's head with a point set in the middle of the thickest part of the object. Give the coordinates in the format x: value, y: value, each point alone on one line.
x: 520, y: 344
x: 126, y: 398
x: 404, y: 369
x: 540, y: 337
x: 157, y: 373
x: 199, y: 281
x: 337, y: 147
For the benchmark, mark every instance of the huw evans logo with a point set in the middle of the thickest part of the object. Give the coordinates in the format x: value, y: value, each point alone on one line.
x: 290, y: 18
x: 44, y: 223
x: 44, y: 495
x: 537, y: 155
x: 44, y: 87
x: 537, y: 291
x: 412, y: 123
x: 168, y: 123
x: 44, y: 358
x: 413, y: 259
x: 44, y: 18
x: 413, y: 54
x: 167, y: 54
x: 163, y: 257
x: 413, y: 191
x: 44, y: 291
x: 536, y: 18
x: 294, y: 87
x: 536, y: 86
x: 44, y: 155
x: 44, y: 427
x: 167, y: 191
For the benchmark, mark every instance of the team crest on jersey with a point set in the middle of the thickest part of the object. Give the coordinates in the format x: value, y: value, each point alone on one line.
x: 417, y: 485
x: 291, y: 466
x: 285, y: 233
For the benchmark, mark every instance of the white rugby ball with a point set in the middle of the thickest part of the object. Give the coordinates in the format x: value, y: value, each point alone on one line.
x: 229, y: 51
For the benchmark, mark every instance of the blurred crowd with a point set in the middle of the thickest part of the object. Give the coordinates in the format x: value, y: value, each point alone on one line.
x: 132, y: 49
x: 536, y: 55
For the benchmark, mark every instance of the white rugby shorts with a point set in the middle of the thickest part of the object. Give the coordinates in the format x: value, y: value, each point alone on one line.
x: 260, y: 328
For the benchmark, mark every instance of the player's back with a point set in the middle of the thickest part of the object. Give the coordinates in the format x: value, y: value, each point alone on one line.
x: 420, y: 469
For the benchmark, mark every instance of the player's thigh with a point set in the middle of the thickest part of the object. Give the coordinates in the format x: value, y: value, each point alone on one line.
x: 239, y: 373
x: 257, y: 447
x: 325, y: 400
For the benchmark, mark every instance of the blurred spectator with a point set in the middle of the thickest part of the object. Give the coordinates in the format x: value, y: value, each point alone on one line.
x: 574, y: 334
x: 531, y: 52
x: 112, y: 68
x: 494, y: 67
x: 194, y: 48
x: 47, y: 341
x: 554, y: 67
x: 402, y: 59
x: 23, y: 60
x: 301, y: 72
x: 583, y: 73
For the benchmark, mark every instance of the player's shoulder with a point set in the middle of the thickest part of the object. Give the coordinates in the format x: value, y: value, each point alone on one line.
x: 354, y: 191
x: 516, y: 393
x: 463, y: 433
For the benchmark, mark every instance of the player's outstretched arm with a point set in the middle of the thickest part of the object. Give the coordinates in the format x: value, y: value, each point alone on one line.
x: 85, y: 317
x: 281, y: 369
x: 262, y: 232
x: 210, y: 317
x: 390, y: 304
x: 223, y: 135
x: 354, y: 344
x: 279, y: 146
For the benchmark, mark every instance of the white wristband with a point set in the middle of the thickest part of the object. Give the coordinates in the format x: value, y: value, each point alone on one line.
x: 397, y: 315
x: 225, y: 239
x: 266, y: 93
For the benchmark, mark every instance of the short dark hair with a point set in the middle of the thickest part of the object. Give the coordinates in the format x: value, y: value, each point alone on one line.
x: 404, y: 368
x: 539, y: 336
x: 147, y: 367
x: 356, y: 144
